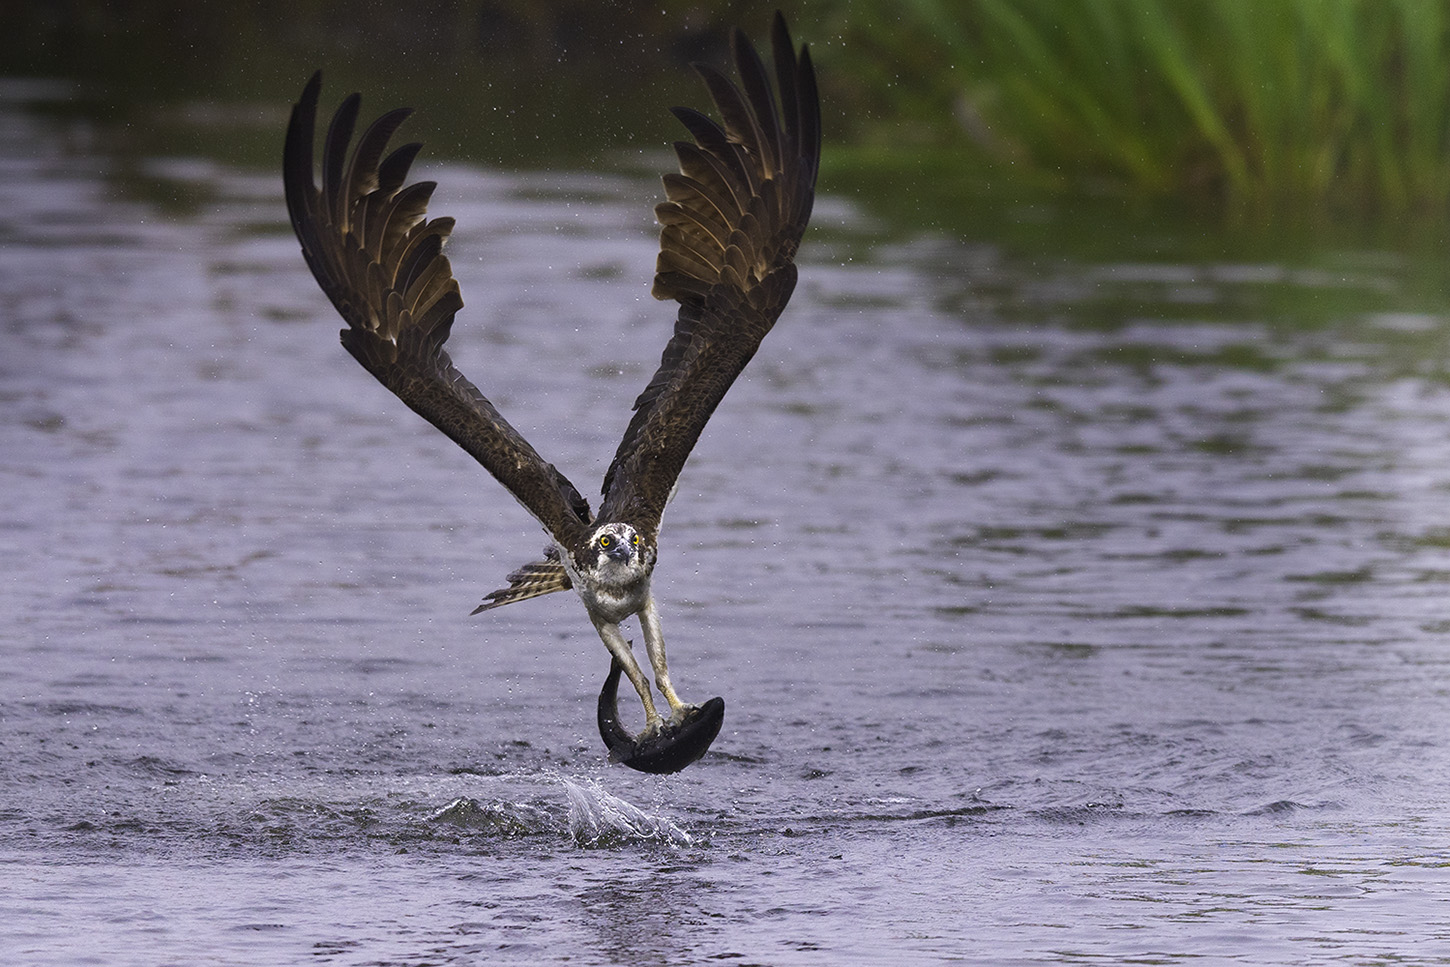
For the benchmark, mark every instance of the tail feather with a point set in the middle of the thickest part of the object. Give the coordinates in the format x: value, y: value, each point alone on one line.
x: 530, y: 581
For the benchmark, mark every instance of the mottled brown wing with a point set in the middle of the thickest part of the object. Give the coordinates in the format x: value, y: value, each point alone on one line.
x: 730, y: 228
x: 379, y: 258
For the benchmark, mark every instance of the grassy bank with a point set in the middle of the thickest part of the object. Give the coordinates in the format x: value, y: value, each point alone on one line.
x: 1288, y: 106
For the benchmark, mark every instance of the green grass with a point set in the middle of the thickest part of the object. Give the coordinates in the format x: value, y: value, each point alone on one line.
x: 1260, y: 104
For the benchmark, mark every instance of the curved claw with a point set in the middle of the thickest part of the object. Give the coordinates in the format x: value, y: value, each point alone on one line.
x: 672, y: 748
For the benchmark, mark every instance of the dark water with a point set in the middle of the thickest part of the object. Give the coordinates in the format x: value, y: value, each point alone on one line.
x: 1066, y: 611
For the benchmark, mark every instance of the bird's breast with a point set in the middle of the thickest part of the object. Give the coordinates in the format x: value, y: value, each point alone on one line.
x: 613, y: 604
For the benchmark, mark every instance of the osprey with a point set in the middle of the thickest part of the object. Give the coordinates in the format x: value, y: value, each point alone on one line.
x: 732, y: 220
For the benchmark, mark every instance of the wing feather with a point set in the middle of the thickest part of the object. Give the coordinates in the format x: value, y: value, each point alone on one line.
x: 730, y: 226
x: 378, y: 257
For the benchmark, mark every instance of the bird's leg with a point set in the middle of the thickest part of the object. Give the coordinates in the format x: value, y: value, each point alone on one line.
x: 618, y: 646
x: 654, y: 646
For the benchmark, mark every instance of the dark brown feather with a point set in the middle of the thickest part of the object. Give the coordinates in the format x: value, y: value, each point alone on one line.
x: 730, y: 227
x: 372, y: 249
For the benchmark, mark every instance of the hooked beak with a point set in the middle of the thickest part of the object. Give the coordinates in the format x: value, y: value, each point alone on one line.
x: 620, y: 552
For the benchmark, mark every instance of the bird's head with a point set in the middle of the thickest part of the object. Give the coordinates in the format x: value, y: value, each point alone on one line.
x: 618, y: 553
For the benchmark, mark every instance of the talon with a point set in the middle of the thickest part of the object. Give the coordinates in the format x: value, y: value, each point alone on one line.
x: 670, y: 746
x: 683, y: 712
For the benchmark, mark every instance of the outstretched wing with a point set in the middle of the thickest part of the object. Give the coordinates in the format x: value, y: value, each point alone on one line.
x: 373, y: 250
x: 730, y: 227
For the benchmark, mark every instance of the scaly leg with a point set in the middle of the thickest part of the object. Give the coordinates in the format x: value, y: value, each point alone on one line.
x: 654, y: 646
x: 615, y: 641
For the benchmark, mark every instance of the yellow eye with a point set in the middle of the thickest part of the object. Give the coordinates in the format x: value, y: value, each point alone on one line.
x: 635, y: 540
x: 605, y: 541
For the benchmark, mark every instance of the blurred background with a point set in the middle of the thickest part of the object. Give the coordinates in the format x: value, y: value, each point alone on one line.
x: 1234, y: 110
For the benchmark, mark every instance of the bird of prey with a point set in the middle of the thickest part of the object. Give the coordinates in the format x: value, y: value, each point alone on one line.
x: 730, y: 225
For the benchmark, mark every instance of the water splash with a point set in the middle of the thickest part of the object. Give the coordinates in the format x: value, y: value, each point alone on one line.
x: 500, y: 817
x: 598, y: 818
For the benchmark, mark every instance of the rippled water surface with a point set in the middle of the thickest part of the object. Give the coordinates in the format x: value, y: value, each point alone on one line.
x: 1065, y: 611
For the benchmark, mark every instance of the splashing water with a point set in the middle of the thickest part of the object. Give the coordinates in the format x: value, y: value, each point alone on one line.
x: 598, y: 818
x: 501, y: 817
